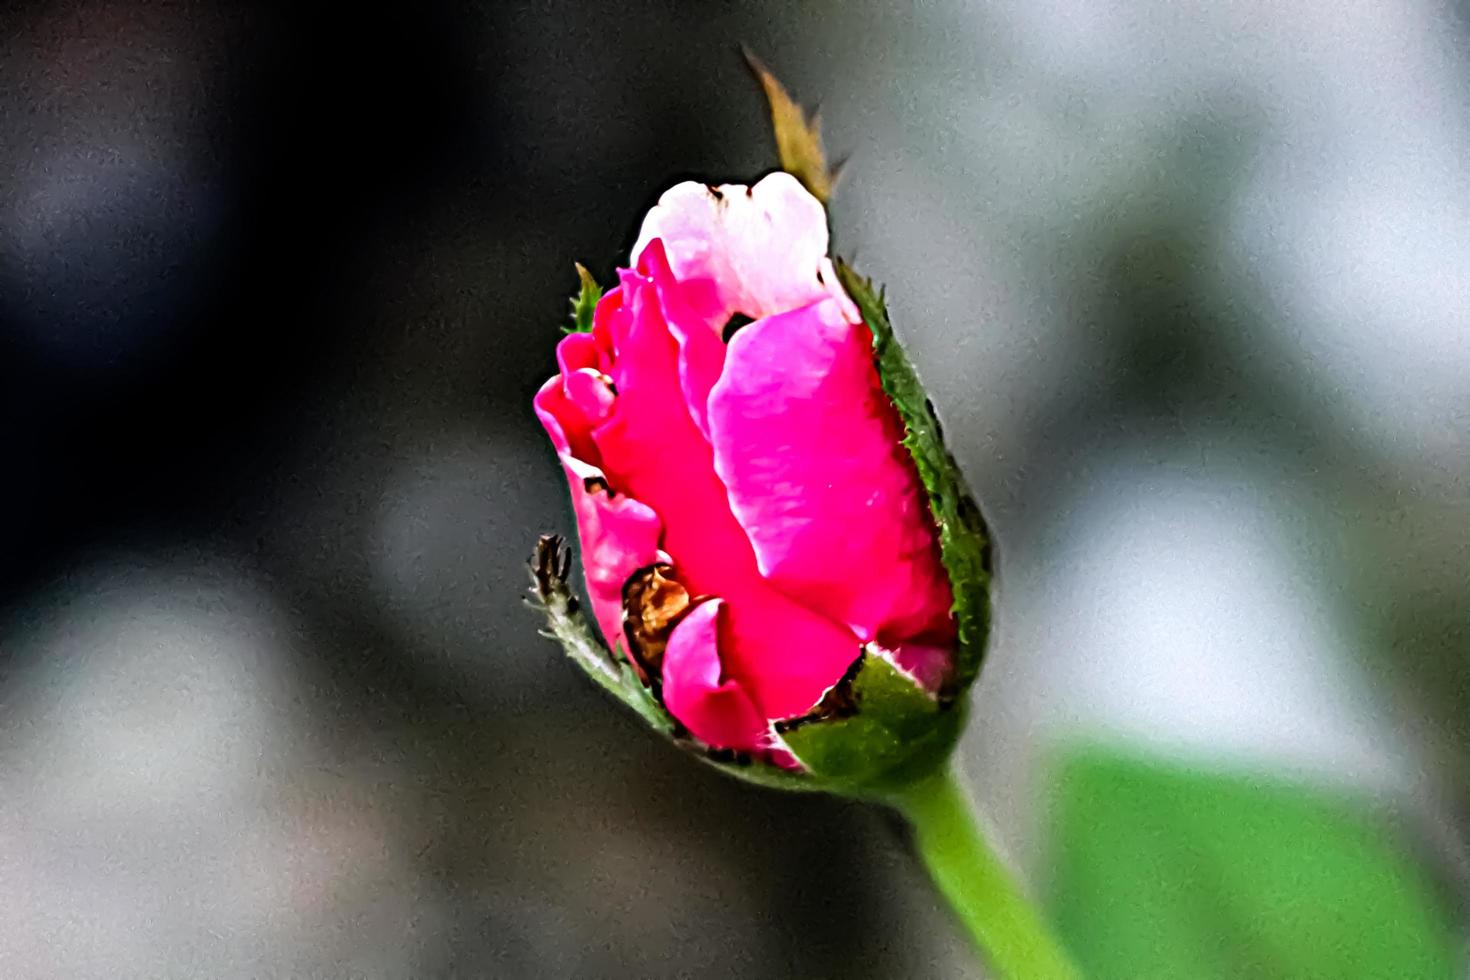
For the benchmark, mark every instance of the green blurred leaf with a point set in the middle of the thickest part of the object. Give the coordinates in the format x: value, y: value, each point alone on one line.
x: 1170, y: 873
x: 878, y: 729
x: 963, y: 537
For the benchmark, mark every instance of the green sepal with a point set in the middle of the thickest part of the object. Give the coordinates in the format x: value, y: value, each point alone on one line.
x: 584, y: 303
x: 550, y: 567
x: 757, y: 772
x: 963, y: 538
x: 565, y: 624
x: 877, y: 729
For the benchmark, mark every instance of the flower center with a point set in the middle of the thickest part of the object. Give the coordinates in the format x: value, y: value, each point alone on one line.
x: 733, y: 324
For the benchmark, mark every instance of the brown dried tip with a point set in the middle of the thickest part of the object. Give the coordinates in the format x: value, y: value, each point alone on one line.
x: 550, y: 565
x: 798, y: 136
x: 584, y: 277
x: 653, y: 603
x: 840, y: 701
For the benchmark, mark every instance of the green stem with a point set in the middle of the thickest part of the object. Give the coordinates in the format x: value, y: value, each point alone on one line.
x: 1000, y: 919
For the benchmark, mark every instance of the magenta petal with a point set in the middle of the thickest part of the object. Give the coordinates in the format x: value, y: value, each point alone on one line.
x: 591, y: 391
x: 577, y: 351
x: 619, y: 535
x: 716, y: 710
x: 578, y: 399
x: 784, y: 655
x: 649, y: 443
x: 696, y: 320
x: 809, y: 448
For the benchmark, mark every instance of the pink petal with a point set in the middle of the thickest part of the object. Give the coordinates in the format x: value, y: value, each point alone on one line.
x: 764, y: 247
x: 579, y: 351
x: 619, y: 535
x: 783, y: 655
x: 574, y: 398
x: 808, y: 446
x: 649, y: 441
x: 696, y: 320
x: 716, y: 710
x: 927, y: 663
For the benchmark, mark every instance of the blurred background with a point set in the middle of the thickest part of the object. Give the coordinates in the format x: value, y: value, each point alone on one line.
x: 1189, y: 283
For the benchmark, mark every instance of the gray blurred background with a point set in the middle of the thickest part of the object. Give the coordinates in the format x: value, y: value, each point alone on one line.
x: 1189, y: 283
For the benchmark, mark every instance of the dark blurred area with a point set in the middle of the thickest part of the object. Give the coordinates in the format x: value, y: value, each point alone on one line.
x: 277, y: 284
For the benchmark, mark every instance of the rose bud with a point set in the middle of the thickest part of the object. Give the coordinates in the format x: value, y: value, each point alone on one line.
x: 779, y: 552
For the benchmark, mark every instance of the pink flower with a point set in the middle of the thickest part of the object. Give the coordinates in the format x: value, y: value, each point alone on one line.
x: 750, y: 521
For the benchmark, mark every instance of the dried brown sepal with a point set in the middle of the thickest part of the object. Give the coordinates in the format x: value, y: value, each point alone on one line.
x: 653, y: 603
x: 551, y: 564
x: 729, y: 757
x: 840, y: 701
x: 798, y: 136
